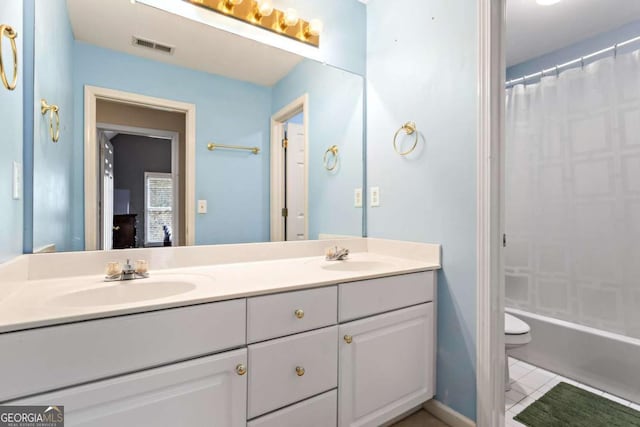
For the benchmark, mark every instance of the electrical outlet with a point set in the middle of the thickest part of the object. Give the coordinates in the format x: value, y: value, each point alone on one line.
x: 375, y: 196
x: 357, y: 198
x: 17, y: 181
x: 202, y: 206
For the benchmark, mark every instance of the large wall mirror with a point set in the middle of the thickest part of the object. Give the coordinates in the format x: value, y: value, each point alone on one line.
x: 11, y: 129
x: 151, y: 129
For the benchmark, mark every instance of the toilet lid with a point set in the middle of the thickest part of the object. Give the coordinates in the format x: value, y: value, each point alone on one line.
x: 515, y: 326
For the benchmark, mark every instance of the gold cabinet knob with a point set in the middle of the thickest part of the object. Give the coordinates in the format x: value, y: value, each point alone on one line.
x: 241, y: 369
x: 300, y: 371
x: 299, y: 313
x: 348, y: 339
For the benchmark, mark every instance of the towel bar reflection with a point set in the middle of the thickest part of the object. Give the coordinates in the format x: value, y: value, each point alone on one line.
x: 211, y: 146
x: 11, y: 35
x: 53, y: 110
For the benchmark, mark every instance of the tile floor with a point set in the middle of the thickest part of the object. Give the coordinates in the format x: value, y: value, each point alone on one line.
x: 529, y: 383
x: 420, y: 419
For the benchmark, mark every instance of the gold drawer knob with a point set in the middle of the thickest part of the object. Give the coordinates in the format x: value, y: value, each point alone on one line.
x: 300, y: 371
x: 348, y: 339
x: 299, y: 313
x: 241, y: 369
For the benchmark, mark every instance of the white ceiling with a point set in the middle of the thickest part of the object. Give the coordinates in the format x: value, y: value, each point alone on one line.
x: 533, y: 30
x: 112, y: 24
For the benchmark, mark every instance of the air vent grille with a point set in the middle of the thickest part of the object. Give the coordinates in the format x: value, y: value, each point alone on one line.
x: 150, y: 44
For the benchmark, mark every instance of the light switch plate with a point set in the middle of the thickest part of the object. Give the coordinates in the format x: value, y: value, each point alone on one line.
x: 375, y: 196
x: 17, y: 181
x: 357, y: 198
x: 202, y: 206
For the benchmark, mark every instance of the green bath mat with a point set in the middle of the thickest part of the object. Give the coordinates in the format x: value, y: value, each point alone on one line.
x: 569, y: 406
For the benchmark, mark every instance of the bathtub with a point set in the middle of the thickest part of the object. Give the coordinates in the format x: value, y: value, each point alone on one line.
x: 603, y: 360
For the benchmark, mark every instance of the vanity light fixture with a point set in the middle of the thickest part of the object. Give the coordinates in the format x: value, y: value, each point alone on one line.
x: 288, y: 19
x: 313, y: 28
x: 263, y: 8
x: 228, y: 5
x: 261, y: 13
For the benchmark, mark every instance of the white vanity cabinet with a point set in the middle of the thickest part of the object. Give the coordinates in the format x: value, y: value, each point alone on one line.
x: 350, y: 355
x: 387, y: 357
x: 296, y: 358
x: 167, y: 367
x: 386, y: 366
x: 209, y: 391
x: 43, y: 359
x: 291, y: 369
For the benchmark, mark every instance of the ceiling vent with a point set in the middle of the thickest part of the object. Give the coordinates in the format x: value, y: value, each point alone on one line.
x: 150, y: 44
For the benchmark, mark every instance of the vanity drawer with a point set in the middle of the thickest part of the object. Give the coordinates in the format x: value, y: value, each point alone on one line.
x: 274, y: 381
x: 369, y: 297
x: 39, y: 360
x: 278, y: 315
x: 319, y: 411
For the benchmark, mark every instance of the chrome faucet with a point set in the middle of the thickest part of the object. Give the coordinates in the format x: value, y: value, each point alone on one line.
x: 336, y: 254
x: 127, y: 272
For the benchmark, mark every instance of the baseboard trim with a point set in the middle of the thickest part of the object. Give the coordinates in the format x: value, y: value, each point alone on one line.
x: 446, y: 414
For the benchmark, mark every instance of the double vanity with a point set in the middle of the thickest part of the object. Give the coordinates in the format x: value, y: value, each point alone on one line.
x: 260, y: 335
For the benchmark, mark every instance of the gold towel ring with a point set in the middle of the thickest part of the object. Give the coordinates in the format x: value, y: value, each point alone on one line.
x: 11, y: 35
x: 53, y: 110
x: 409, y: 128
x: 327, y: 160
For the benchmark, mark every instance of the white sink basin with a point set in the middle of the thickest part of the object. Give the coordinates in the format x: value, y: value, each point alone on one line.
x: 354, y: 265
x: 125, y: 292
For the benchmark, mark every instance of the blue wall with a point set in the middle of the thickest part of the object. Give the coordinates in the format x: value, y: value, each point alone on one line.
x: 335, y: 117
x: 11, y: 105
x: 52, y: 163
x: 236, y: 184
x: 422, y: 66
x: 577, y: 50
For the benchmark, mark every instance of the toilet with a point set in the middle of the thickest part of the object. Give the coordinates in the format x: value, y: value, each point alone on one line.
x: 516, y: 334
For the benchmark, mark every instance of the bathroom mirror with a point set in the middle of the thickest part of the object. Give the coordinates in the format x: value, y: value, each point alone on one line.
x: 11, y: 91
x: 151, y: 129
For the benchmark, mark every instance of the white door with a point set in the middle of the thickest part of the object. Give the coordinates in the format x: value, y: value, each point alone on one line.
x: 295, y: 186
x: 201, y: 392
x: 387, y: 368
x: 106, y: 172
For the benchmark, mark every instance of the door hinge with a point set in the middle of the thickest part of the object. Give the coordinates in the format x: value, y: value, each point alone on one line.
x: 285, y: 143
x: 285, y: 212
x: 504, y: 240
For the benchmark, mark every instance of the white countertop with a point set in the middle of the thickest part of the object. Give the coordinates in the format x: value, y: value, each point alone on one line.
x: 36, y: 303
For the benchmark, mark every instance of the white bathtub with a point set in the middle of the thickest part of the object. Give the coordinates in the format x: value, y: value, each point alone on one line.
x: 603, y: 360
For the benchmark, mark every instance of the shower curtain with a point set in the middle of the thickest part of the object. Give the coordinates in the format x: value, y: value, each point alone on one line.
x: 573, y: 195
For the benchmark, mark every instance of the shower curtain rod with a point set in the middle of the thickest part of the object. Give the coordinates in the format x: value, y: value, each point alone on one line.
x: 557, y: 68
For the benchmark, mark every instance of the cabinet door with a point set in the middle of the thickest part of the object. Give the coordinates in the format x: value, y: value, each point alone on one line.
x: 386, y: 366
x: 201, y: 392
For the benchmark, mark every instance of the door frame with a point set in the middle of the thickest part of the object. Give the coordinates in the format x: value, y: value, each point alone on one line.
x: 277, y: 194
x: 91, y: 170
x: 175, y: 165
x: 490, y: 351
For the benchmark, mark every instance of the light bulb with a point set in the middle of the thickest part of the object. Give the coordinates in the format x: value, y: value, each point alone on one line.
x: 291, y: 17
x: 547, y: 2
x: 264, y: 8
x: 315, y: 27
